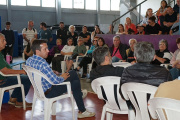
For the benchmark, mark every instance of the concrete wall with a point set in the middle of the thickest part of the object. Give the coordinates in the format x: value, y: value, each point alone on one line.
x: 21, y: 14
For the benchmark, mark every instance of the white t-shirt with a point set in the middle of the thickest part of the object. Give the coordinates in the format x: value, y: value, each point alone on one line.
x: 30, y: 34
x: 67, y: 49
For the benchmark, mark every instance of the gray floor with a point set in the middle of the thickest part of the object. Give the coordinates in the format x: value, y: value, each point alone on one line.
x: 84, y: 82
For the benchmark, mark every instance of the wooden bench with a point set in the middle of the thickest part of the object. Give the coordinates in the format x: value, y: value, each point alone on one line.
x: 18, y: 63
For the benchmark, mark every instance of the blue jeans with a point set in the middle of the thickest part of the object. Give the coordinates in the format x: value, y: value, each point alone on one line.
x: 115, y: 59
x: 175, y: 73
x: 17, y: 91
x: 57, y: 90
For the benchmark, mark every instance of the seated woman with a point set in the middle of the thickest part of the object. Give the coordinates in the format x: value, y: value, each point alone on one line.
x: 101, y: 42
x: 175, y: 61
x: 120, y: 29
x: 88, y: 59
x: 130, y: 51
x: 162, y: 12
x: 152, y: 27
x: 130, y: 28
x: 96, y: 31
x: 67, y: 50
x: 162, y: 55
x: 79, y: 50
x: 55, y: 49
x: 149, y: 13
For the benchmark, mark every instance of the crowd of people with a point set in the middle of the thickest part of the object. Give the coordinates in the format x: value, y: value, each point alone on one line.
x: 144, y: 59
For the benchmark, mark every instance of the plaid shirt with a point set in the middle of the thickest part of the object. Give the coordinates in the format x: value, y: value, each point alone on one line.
x: 40, y: 63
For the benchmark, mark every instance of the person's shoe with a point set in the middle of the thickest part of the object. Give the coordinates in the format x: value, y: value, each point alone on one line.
x: 12, y: 101
x: 86, y: 114
x: 83, y: 76
x: 84, y: 93
x: 20, y: 104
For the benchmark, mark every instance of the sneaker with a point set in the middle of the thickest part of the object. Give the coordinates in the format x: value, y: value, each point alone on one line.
x: 12, y: 101
x: 84, y: 93
x: 20, y: 104
x: 83, y: 76
x: 86, y: 114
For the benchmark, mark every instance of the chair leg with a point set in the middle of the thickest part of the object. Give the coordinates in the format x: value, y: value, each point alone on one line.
x: 1, y: 97
x: 54, y: 108
x: 47, y: 109
x: 103, y: 113
x: 109, y: 116
x: 33, y: 105
x: 23, y: 97
x: 131, y: 115
x: 72, y: 102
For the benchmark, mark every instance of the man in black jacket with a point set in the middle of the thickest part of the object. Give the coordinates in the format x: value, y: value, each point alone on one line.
x: 103, y: 58
x: 62, y: 33
x: 143, y: 71
x: 9, y: 35
x: 118, y: 50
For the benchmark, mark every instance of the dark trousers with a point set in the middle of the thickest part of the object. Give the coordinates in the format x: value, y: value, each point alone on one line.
x: 17, y: 91
x: 84, y: 62
x: 57, y: 90
x: 8, y: 50
x: 56, y: 63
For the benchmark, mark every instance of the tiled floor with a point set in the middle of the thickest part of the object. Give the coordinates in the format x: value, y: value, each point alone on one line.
x: 91, y: 102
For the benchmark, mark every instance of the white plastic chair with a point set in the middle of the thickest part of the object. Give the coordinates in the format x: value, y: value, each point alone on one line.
x: 35, y: 77
x: 109, y: 85
x: 165, y: 108
x: 2, y: 89
x: 139, y: 94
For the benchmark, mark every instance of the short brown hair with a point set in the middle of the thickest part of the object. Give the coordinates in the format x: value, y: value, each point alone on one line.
x: 8, y: 23
x: 177, y: 40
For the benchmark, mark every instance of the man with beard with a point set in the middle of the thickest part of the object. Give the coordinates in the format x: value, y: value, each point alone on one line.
x: 103, y: 58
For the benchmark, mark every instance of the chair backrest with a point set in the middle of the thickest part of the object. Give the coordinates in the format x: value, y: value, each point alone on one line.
x: 107, y: 88
x: 35, y: 77
x: 166, y: 108
x: 87, y: 48
x: 139, y: 94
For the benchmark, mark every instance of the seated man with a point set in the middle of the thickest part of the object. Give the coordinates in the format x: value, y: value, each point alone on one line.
x: 16, y: 97
x: 103, y: 58
x: 118, y: 50
x: 37, y: 61
x: 143, y: 71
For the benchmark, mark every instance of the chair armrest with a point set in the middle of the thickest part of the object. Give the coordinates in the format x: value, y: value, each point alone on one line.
x: 78, y: 58
x: 8, y: 75
x: 66, y: 57
x: 55, y: 55
x: 64, y: 83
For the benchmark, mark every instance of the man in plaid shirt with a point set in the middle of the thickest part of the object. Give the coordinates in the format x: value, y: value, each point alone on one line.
x: 37, y: 61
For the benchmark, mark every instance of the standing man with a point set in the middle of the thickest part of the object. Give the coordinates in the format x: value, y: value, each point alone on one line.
x: 62, y: 33
x: 44, y: 33
x: 86, y: 35
x: 29, y: 33
x: 16, y: 97
x: 9, y: 35
x: 176, y: 6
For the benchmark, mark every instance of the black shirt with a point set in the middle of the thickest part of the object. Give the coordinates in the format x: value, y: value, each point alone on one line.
x: 176, y: 8
x: 75, y: 36
x: 9, y: 35
x: 153, y: 29
x: 171, y: 18
x: 130, y: 56
x: 62, y: 34
x: 85, y: 36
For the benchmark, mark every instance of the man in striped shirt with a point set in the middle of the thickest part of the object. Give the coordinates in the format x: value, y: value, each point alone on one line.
x: 37, y: 61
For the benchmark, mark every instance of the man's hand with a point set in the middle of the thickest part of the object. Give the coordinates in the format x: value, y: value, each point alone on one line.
x: 65, y: 75
x: 56, y: 72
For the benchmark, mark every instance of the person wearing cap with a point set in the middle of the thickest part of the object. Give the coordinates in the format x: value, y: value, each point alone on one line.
x: 140, y: 29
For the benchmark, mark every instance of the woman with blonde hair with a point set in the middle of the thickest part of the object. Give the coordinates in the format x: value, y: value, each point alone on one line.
x: 130, y: 28
x: 73, y: 34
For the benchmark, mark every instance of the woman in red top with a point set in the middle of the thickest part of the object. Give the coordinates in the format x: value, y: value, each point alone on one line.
x: 130, y: 28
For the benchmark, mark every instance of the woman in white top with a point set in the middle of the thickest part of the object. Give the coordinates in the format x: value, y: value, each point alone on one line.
x: 120, y: 29
x: 67, y: 50
x: 149, y: 13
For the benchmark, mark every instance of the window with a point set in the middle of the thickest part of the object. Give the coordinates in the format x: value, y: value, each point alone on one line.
x: 66, y: 3
x: 91, y: 4
x: 18, y: 2
x: 33, y: 2
x: 2, y: 2
x: 104, y: 4
x: 115, y: 5
x: 79, y: 4
x: 48, y: 3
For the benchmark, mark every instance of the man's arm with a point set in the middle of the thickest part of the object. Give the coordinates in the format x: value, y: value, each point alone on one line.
x: 6, y: 70
x: 86, y: 39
